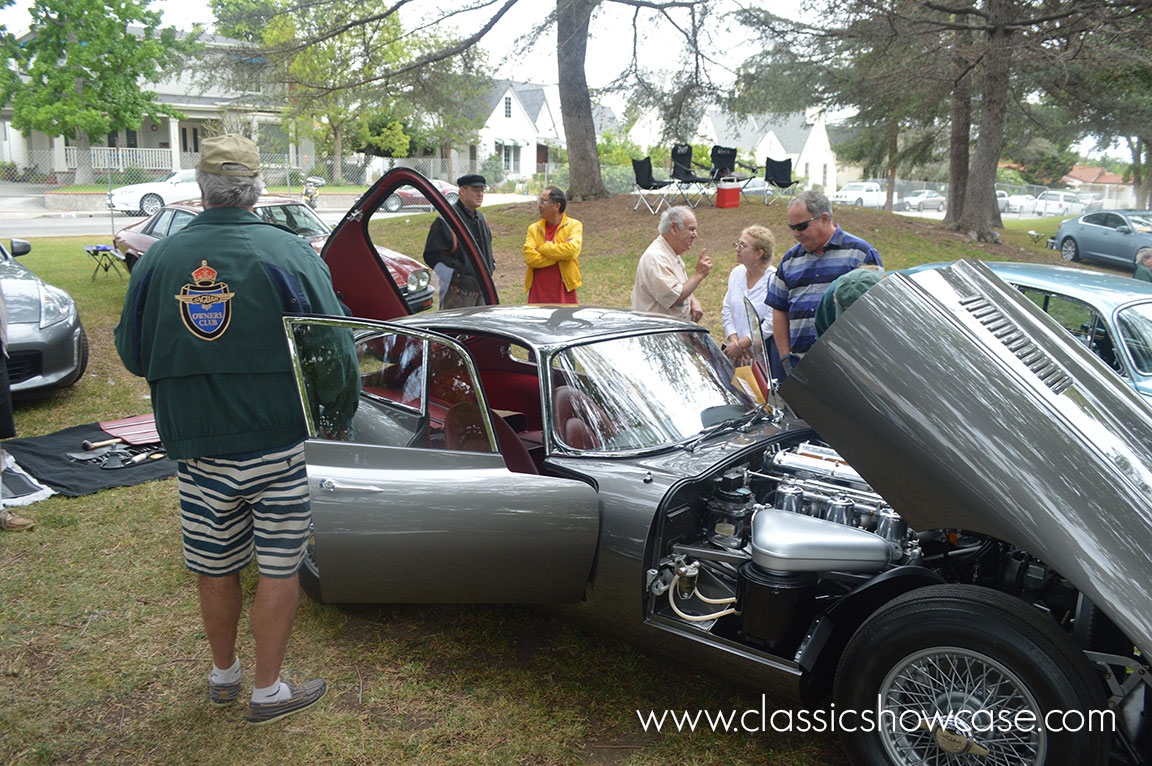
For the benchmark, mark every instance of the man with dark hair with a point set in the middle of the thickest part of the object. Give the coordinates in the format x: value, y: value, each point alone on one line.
x: 552, y: 251
x: 823, y: 252
x: 459, y: 285
x: 202, y: 321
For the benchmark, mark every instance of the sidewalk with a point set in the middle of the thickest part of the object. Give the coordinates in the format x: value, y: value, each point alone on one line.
x: 33, y: 206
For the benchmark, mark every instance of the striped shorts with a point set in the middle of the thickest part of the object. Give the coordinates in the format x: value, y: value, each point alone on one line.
x: 233, y: 507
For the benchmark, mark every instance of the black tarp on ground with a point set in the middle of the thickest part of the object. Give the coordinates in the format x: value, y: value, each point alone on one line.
x: 45, y: 458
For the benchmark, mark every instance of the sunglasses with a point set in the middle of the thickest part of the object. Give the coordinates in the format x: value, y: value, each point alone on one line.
x: 803, y: 224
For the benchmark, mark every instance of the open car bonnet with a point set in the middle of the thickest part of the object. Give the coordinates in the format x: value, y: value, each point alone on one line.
x: 967, y: 407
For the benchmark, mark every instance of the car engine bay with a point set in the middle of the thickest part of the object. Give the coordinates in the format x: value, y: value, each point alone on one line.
x: 756, y: 554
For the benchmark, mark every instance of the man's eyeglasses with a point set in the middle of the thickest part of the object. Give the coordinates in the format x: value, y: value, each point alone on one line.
x: 803, y: 224
x: 739, y: 245
x: 480, y: 189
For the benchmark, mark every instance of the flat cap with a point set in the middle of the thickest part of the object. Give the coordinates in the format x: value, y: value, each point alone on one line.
x: 229, y: 155
x: 472, y: 179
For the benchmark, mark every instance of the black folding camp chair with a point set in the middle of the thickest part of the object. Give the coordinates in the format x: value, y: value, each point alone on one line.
x: 777, y: 179
x: 687, y: 182
x: 646, y: 183
x: 723, y: 162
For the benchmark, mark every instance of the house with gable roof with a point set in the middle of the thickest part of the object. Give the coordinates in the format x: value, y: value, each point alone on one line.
x: 521, y: 125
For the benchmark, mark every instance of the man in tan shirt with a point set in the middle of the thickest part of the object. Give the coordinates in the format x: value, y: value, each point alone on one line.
x: 662, y: 283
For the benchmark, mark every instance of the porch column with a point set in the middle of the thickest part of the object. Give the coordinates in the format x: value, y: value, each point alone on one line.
x: 59, y: 163
x: 174, y: 141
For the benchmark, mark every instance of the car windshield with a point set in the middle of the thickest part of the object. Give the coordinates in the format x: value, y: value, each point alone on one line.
x: 1136, y: 330
x: 853, y: 187
x: 1141, y: 223
x: 298, y: 218
x: 642, y: 392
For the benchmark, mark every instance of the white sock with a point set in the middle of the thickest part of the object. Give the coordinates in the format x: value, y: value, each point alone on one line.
x: 229, y: 676
x: 274, y: 693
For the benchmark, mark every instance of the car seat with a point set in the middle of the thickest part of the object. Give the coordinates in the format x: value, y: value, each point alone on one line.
x: 579, y: 421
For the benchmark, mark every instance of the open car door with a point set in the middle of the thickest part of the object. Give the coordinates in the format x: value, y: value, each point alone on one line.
x: 412, y: 499
x: 360, y: 277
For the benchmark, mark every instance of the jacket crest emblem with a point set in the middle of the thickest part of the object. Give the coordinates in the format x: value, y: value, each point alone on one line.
x: 205, y: 304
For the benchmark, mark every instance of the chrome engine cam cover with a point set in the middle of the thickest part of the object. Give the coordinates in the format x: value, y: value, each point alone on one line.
x: 792, y: 542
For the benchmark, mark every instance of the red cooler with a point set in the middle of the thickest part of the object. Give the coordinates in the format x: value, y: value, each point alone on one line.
x: 728, y: 193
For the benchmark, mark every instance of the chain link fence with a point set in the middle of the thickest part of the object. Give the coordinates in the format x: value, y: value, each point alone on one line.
x: 112, y: 167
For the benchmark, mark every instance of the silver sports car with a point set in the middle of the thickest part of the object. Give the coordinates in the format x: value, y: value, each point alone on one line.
x: 943, y: 559
x: 47, y: 345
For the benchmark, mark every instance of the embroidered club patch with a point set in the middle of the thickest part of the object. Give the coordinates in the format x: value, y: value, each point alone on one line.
x: 205, y: 305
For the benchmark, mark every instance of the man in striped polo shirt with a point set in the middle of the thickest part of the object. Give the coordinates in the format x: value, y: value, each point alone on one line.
x: 823, y: 252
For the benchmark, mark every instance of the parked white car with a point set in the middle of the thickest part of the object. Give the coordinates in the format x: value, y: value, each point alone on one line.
x: 1021, y: 203
x: 147, y: 198
x: 862, y: 193
x: 1058, y: 203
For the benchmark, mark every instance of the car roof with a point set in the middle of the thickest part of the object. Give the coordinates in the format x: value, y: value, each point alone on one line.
x: 1097, y: 288
x: 193, y: 205
x: 1121, y: 211
x: 539, y: 326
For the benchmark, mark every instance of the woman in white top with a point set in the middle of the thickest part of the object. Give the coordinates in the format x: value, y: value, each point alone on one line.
x: 748, y: 280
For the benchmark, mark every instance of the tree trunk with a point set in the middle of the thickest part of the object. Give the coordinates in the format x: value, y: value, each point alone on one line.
x: 337, y: 155
x: 893, y: 150
x: 584, y: 181
x: 981, y: 215
x: 959, y: 142
x: 1141, y: 178
x: 84, y: 174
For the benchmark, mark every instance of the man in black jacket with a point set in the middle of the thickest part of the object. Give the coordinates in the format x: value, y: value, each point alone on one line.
x: 459, y: 285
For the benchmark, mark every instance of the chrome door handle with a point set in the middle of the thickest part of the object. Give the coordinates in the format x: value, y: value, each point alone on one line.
x: 328, y: 485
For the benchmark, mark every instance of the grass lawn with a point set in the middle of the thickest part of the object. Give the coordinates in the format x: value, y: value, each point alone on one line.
x: 102, y: 654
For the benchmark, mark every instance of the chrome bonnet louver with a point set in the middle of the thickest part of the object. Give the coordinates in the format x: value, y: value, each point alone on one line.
x: 1035, y: 358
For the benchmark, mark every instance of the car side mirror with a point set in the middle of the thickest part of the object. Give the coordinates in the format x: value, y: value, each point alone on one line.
x: 20, y: 247
x: 1124, y: 229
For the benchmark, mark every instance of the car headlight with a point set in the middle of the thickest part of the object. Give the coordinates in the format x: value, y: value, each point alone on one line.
x: 419, y: 280
x: 55, y: 305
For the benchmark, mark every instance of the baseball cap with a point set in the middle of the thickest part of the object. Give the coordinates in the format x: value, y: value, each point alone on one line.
x: 852, y: 285
x: 229, y: 155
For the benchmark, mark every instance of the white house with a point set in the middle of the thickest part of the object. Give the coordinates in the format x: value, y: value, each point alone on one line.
x: 166, y: 144
x: 520, y: 126
x: 802, y: 138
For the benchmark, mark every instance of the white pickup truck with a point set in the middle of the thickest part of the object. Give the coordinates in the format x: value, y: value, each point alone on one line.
x: 863, y: 193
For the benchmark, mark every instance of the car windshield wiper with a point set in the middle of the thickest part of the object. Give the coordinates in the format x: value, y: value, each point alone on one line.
x: 731, y: 424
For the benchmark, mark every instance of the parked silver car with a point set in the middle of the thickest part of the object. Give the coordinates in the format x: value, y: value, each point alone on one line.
x: 1113, y: 236
x: 957, y: 535
x: 47, y: 345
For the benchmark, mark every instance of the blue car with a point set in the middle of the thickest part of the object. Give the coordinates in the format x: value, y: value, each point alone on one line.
x: 1108, y: 313
x: 1107, y: 235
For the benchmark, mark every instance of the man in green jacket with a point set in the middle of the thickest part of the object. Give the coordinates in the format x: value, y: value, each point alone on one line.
x: 202, y: 321
x: 1144, y: 264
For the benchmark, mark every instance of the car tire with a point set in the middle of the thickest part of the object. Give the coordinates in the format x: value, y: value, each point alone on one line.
x: 150, y: 204
x: 1069, y: 251
x: 940, y: 208
x: 962, y: 649
x: 83, y: 363
x: 860, y: 203
x: 452, y: 197
x: 310, y: 571
x: 393, y: 203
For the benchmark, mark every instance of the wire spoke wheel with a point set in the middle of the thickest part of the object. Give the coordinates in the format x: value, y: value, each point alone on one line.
x: 949, y: 697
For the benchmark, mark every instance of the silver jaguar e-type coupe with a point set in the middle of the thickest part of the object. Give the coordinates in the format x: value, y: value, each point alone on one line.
x: 950, y: 552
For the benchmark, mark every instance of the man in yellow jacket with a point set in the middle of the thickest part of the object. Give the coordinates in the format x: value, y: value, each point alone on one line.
x: 552, y: 251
